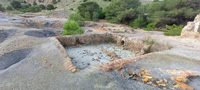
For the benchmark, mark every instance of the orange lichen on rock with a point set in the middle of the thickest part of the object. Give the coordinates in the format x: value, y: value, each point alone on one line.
x: 182, y: 78
x: 100, y: 30
x: 120, y: 63
x: 116, y: 64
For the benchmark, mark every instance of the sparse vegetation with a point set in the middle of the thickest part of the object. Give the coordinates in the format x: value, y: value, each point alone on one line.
x: 71, y: 28
x: 77, y: 17
x: 15, y: 4
x: 22, y: 6
x: 42, y: 7
x: 154, y: 15
x: 149, y: 41
x: 173, y: 30
x: 50, y: 7
x: 9, y: 8
x: 122, y: 11
x: 90, y: 10
x: 2, y: 8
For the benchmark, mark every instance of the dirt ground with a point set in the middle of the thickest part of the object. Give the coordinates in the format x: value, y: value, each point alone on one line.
x: 33, y: 59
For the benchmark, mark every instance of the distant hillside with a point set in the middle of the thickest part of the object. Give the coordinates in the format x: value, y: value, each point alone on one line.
x: 73, y: 4
x: 68, y: 6
x: 7, y: 2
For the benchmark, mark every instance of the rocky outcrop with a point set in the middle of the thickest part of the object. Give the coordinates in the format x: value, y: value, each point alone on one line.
x: 42, y: 22
x: 192, y: 28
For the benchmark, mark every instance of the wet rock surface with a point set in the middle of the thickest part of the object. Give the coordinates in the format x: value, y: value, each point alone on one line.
x: 194, y: 82
x: 13, y: 57
x: 6, y: 33
x: 40, y: 34
x: 87, y: 56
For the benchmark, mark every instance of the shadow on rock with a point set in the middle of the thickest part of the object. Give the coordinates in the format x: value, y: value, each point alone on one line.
x: 13, y: 57
x: 6, y: 33
x: 40, y: 34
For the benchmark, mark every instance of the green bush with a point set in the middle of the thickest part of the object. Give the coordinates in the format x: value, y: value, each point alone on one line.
x: 169, y: 12
x: 50, y: 7
x: 9, y: 8
x: 15, y: 4
x: 173, y: 30
x: 42, y: 7
x: 71, y: 28
x: 35, y: 9
x: 95, y: 16
x: 150, y: 27
x: 34, y: 3
x: 122, y: 11
x: 87, y: 16
x: 77, y: 17
x: 2, y: 8
x: 138, y: 23
x: 54, y: 1
x: 89, y: 8
x: 25, y: 6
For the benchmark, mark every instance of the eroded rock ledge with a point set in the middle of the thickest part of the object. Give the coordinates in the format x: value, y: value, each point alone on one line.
x: 192, y: 29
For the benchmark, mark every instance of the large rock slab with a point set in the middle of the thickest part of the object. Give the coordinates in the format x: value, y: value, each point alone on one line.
x: 192, y: 28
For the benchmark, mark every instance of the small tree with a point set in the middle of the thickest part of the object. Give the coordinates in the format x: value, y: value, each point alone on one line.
x: 95, y: 16
x: 35, y: 9
x: 2, y: 8
x: 9, y: 8
x: 77, y: 17
x: 54, y: 1
x: 138, y: 23
x: 34, y: 3
x: 15, y: 4
x: 72, y: 27
x: 88, y: 8
x: 50, y: 7
x: 42, y: 7
x: 87, y: 16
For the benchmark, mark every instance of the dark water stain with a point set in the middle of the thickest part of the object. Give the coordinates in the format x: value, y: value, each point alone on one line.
x: 40, y: 34
x: 6, y: 33
x: 13, y: 57
x: 194, y: 82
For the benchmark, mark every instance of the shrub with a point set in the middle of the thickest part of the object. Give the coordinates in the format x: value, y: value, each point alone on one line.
x: 169, y: 12
x: 9, y: 8
x: 2, y: 8
x: 150, y: 27
x: 34, y: 3
x: 25, y: 6
x: 50, y: 7
x: 122, y: 10
x: 89, y: 7
x: 35, y: 9
x: 149, y: 41
x: 71, y: 9
x: 72, y: 27
x: 173, y: 30
x: 15, y: 4
x: 42, y: 7
x: 54, y: 1
x: 95, y: 16
x: 87, y: 16
x: 138, y: 22
x: 77, y: 17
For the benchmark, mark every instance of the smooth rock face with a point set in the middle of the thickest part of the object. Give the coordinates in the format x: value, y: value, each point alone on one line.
x: 192, y: 28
